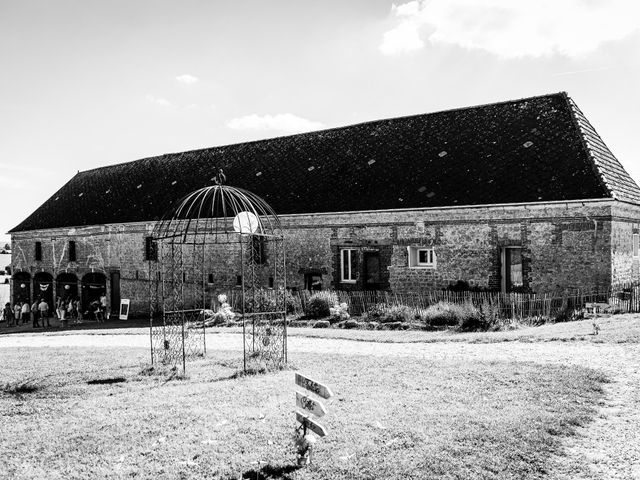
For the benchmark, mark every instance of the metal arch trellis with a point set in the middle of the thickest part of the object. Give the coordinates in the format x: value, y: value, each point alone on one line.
x: 197, y: 252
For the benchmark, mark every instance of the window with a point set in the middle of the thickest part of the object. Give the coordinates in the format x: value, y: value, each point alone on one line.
x: 238, y: 280
x: 347, y: 265
x: 72, y: 251
x: 421, y: 257
x: 150, y: 249
x: 635, y: 244
x: 210, y: 280
x: 38, y: 251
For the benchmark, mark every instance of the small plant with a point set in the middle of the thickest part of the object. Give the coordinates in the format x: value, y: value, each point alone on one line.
x: 320, y: 303
x: 339, y: 312
x: 225, y: 313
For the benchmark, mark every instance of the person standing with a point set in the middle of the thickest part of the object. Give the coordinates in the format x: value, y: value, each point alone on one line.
x: 24, y: 312
x: 103, y: 306
x: 17, y: 310
x: 34, y: 314
x: 8, y: 314
x: 43, y: 308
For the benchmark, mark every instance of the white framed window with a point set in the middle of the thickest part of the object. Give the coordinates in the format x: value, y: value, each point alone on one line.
x: 422, y: 257
x: 347, y: 265
x: 636, y: 239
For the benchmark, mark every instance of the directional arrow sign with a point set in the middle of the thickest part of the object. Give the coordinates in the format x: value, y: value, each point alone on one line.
x: 310, y: 405
x: 313, y: 386
x: 311, y: 425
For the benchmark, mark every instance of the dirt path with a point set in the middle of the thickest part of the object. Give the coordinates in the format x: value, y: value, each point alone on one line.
x: 609, y: 447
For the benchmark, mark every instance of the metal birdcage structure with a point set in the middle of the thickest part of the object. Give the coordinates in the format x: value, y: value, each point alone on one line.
x: 218, y: 256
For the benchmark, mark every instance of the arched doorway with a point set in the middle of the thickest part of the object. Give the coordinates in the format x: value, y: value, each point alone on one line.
x: 94, y: 285
x: 43, y: 288
x: 21, y: 287
x: 67, y: 286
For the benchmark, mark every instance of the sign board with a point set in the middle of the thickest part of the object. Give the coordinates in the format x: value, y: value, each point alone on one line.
x: 310, y: 405
x: 311, y: 425
x: 124, y: 309
x: 313, y: 386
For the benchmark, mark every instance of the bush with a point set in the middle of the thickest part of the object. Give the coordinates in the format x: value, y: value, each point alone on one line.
x: 320, y: 304
x: 351, y: 324
x: 339, y: 313
x: 321, y: 324
x: 390, y: 313
x: 444, y: 314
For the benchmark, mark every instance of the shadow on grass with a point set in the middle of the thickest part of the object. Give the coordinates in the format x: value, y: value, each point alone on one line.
x: 270, y: 472
x: 107, y: 381
x: 20, y: 387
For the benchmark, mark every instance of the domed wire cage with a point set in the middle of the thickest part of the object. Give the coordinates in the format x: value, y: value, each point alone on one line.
x: 218, y: 257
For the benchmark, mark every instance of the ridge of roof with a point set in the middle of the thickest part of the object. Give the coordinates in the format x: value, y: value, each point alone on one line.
x: 516, y: 151
x: 329, y: 130
x: 608, y: 168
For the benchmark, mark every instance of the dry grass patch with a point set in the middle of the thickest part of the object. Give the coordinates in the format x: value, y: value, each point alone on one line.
x: 392, y: 418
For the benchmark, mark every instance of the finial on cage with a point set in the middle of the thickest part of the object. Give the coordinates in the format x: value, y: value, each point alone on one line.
x: 220, y: 177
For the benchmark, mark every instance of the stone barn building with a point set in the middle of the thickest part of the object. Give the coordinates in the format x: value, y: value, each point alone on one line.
x: 515, y: 196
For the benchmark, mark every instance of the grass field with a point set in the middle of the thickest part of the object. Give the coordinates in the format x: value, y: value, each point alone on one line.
x: 391, y: 417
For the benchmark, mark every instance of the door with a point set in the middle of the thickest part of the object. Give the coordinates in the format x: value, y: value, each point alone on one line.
x: 115, y: 293
x: 512, y: 269
x: 371, y: 271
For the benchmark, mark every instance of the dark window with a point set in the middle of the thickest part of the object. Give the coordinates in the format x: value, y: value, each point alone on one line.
x: 72, y: 251
x: 211, y: 278
x: 270, y: 282
x: 150, y: 249
x: 238, y: 280
x: 258, y: 250
x: 38, y: 251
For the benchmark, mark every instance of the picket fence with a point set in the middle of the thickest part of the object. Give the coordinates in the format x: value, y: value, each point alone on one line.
x: 623, y: 298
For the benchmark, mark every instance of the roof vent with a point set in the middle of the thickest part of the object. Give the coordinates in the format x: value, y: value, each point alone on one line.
x: 527, y: 144
x: 400, y: 200
x: 139, y: 186
x: 422, y: 189
x: 258, y: 174
x: 431, y: 194
x: 174, y: 182
x: 56, y: 199
x: 108, y: 191
x: 311, y: 168
x: 80, y: 194
x: 442, y: 153
x: 371, y: 162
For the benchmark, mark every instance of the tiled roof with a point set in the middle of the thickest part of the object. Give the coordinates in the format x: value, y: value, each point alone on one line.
x: 614, y: 176
x: 530, y: 150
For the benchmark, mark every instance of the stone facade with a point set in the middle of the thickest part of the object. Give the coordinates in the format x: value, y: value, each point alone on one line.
x: 560, y: 245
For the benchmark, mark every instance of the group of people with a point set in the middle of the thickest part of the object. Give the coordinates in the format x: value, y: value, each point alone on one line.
x: 65, y: 309
x: 22, y: 313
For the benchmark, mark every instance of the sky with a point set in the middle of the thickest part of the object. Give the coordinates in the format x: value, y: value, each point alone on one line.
x: 89, y: 83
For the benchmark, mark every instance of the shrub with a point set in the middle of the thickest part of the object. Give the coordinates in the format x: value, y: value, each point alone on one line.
x: 444, y: 314
x: 351, y: 324
x: 320, y: 304
x: 321, y: 324
x: 339, y: 313
x: 390, y: 313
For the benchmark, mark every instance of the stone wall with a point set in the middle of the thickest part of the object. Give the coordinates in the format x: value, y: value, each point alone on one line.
x: 564, y: 245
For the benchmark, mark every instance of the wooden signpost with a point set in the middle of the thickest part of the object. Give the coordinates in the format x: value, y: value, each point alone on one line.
x: 313, y: 386
x: 309, y: 406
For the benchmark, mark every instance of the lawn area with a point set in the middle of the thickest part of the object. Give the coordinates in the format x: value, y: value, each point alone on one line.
x: 391, y: 417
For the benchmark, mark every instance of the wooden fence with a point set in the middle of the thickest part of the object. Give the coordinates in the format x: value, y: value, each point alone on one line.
x: 555, y: 305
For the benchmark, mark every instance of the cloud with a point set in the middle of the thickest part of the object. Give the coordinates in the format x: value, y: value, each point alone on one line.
x: 511, y: 28
x: 285, y: 122
x: 163, y: 102
x: 187, y: 79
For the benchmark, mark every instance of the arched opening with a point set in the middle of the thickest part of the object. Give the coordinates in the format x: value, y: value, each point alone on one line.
x: 43, y: 288
x: 67, y: 286
x: 94, y: 285
x: 21, y: 287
